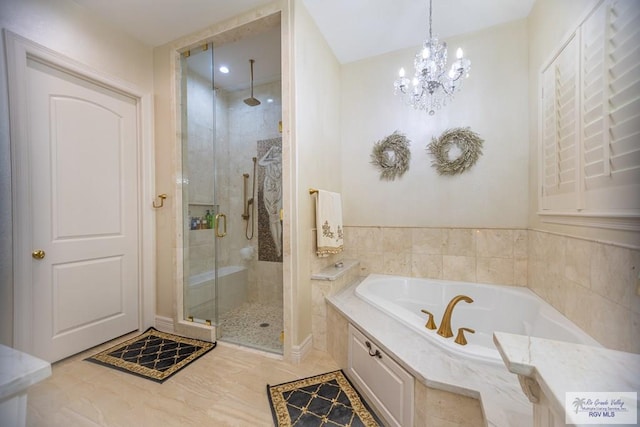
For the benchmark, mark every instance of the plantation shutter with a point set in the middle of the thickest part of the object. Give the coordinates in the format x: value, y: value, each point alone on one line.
x: 560, y: 112
x: 611, y: 77
x: 590, y: 117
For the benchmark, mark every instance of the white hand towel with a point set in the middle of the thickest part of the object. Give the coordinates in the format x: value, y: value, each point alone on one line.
x: 329, y: 223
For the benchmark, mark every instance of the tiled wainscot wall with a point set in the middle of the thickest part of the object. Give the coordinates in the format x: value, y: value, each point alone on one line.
x: 592, y: 283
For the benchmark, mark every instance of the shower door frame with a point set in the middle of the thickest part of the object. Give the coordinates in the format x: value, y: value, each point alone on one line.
x: 186, y: 205
x: 217, y: 35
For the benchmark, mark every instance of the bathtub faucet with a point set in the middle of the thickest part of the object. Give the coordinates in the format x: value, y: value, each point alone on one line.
x: 445, y: 325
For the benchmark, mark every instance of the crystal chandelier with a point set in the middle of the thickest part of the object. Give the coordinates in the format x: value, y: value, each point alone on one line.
x: 432, y: 85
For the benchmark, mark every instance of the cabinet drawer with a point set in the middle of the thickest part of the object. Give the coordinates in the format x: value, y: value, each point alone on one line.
x: 380, y: 379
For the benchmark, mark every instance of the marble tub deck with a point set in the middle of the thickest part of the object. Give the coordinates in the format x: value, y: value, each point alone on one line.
x: 559, y: 367
x: 502, y: 400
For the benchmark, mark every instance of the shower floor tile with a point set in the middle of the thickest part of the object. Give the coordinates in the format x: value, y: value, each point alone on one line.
x: 255, y: 325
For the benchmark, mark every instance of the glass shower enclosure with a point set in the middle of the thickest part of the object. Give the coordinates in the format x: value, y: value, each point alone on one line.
x: 232, y: 189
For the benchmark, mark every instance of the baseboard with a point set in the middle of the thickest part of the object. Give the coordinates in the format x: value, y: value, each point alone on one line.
x: 299, y: 352
x: 165, y: 324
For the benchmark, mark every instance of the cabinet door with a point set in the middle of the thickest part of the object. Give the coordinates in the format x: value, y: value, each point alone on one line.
x: 383, y: 382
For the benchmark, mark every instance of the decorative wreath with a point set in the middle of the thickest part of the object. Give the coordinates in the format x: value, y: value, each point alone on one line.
x: 391, y: 155
x: 469, y: 143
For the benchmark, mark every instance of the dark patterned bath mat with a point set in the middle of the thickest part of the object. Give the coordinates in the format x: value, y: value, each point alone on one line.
x: 153, y: 355
x: 323, y: 400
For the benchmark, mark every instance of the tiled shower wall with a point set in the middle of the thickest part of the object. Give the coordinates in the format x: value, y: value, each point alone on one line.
x: 592, y: 283
x: 238, y: 129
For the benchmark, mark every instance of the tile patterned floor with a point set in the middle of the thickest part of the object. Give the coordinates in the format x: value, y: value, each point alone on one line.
x: 255, y: 325
x: 225, y: 387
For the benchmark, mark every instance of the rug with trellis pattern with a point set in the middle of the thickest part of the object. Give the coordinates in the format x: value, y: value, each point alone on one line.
x: 153, y: 355
x: 322, y: 400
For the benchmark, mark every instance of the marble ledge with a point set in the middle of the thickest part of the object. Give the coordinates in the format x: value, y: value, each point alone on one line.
x: 19, y: 370
x: 498, y: 390
x: 333, y: 272
x: 559, y: 367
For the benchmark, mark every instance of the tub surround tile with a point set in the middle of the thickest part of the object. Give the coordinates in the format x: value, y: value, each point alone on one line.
x: 495, y: 270
x: 441, y: 253
x: 337, y: 341
x: 520, y: 271
x: 396, y: 240
x: 494, y: 243
x: 397, y: 263
x: 611, y: 266
x: 556, y: 267
x: 426, y: 265
x: 326, y: 283
x: 462, y: 268
x: 450, y: 409
x: 578, y: 261
x: 365, y: 239
x: 634, y: 324
x: 560, y: 367
x: 592, y: 283
x: 371, y: 263
x: 427, y: 241
x: 520, y: 244
x: 459, y: 242
x: 497, y: 390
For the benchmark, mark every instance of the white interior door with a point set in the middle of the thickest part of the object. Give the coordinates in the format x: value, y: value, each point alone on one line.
x: 83, y: 151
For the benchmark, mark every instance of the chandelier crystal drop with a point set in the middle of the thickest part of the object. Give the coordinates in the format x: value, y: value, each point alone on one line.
x: 432, y: 84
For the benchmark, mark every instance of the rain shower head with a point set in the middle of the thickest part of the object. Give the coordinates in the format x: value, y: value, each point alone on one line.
x: 252, y: 102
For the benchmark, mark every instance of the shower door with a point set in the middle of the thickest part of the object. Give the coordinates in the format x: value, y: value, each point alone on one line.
x: 200, y: 207
x: 232, y: 189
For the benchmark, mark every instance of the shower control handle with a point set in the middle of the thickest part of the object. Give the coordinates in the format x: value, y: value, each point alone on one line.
x: 220, y: 217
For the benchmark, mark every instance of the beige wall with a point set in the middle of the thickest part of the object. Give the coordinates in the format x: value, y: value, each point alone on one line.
x: 67, y: 28
x: 317, y: 153
x: 493, y: 102
x: 550, y: 22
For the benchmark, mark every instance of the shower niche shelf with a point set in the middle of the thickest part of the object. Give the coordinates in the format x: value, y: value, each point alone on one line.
x: 201, y: 216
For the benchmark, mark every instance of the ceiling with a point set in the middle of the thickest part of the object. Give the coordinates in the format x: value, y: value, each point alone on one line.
x: 354, y: 29
x: 264, y: 48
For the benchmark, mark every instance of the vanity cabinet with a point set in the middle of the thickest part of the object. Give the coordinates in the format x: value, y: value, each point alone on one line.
x: 383, y: 382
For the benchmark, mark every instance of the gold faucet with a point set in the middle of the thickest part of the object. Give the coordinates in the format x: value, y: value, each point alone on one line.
x: 445, y: 325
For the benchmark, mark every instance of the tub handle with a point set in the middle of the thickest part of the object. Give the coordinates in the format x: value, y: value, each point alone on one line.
x: 430, y: 323
x: 460, y: 339
x: 371, y: 352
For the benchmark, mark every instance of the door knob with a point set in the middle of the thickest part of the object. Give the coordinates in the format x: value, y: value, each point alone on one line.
x: 38, y: 254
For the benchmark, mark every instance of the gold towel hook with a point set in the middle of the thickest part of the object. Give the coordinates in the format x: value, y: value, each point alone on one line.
x: 312, y: 191
x: 161, y: 197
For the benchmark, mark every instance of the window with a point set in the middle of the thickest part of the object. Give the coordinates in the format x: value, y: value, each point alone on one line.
x: 590, y: 121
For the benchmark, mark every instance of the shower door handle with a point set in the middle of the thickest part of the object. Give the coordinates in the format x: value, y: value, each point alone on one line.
x: 220, y: 217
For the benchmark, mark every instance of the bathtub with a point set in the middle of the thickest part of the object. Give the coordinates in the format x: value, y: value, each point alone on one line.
x: 232, y: 289
x: 495, y: 308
